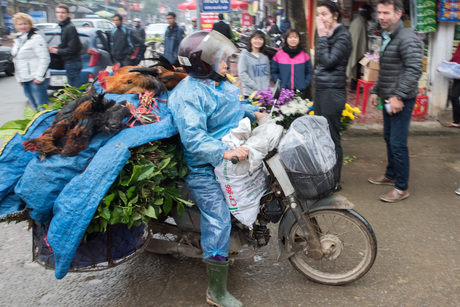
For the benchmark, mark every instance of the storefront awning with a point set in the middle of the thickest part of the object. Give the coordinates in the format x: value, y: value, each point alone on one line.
x: 191, y: 5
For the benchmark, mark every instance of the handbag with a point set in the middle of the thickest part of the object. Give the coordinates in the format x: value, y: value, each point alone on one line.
x: 56, y: 62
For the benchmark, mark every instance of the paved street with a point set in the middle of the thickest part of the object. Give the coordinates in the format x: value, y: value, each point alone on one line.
x: 418, y: 259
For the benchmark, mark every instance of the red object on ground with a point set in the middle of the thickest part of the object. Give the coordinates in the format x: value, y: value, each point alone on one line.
x: 366, y: 85
x: 421, y: 106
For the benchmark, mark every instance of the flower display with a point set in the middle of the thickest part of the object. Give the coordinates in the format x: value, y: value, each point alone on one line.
x: 348, y: 115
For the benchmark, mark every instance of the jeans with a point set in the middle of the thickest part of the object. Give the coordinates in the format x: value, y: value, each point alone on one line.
x: 73, y: 73
x: 36, y: 93
x: 330, y: 104
x: 395, y: 133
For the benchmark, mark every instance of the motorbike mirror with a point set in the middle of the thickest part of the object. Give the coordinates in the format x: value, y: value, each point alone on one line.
x: 277, y: 90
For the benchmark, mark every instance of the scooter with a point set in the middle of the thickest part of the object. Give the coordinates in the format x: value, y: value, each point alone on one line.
x: 324, y: 239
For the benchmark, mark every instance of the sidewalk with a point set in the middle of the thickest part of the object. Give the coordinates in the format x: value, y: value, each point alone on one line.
x: 372, y: 122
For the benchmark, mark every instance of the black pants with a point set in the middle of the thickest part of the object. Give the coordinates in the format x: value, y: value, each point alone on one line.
x: 454, y: 96
x: 330, y: 104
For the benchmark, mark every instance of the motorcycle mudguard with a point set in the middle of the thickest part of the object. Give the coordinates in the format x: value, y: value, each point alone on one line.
x: 288, y: 248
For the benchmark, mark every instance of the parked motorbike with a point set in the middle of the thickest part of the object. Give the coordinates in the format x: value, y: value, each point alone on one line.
x: 324, y: 239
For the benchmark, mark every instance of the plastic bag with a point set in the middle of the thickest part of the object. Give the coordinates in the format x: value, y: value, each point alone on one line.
x: 242, y: 192
x: 308, y: 153
x: 449, y: 69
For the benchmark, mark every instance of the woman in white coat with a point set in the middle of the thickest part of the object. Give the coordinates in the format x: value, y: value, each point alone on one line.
x: 31, y: 60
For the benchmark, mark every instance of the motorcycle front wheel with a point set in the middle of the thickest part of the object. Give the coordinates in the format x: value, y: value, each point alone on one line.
x: 347, y: 241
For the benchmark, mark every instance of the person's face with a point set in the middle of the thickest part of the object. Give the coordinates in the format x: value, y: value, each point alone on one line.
x: 62, y: 14
x: 388, y: 18
x: 293, y: 40
x: 257, y: 42
x: 223, y: 69
x: 327, y: 18
x: 194, y: 23
x: 23, y: 26
x: 116, y: 20
x: 136, y: 23
x: 171, y: 20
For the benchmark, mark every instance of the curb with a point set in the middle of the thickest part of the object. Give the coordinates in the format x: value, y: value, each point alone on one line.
x: 429, y: 128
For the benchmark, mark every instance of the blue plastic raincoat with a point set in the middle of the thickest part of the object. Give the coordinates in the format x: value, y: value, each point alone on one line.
x: 203, y: 113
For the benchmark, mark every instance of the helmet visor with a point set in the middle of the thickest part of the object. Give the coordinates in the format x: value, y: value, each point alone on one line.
x: 215, y: 47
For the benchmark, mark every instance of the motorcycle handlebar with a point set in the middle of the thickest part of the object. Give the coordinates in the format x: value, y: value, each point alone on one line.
x: 235, y: 160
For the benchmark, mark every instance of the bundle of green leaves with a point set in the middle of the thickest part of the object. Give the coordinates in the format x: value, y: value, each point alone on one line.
x: 146, y: 187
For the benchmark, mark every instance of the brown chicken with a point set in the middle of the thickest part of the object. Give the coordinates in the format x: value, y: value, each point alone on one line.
x: 76, y: 123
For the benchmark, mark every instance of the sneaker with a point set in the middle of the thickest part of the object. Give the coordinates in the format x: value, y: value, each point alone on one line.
x: 457, y: 191
x: 382, y: 180
x: 394, y: 196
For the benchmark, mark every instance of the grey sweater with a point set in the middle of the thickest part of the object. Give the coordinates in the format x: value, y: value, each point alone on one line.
x: 400, y: 65
x: 254, y: 72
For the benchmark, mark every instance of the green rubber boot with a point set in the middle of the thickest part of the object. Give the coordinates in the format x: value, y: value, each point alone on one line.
x: 217, y: 294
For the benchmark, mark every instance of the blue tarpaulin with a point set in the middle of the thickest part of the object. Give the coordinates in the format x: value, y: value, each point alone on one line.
x: 66, y: 192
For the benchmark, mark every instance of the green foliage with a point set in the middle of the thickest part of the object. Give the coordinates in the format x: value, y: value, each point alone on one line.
x: 60, y: 98
x: 145, y: 188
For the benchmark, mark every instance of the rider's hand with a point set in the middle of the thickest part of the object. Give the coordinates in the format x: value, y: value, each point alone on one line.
x: 241, y: 152
x: 396, y: 105
x: 53, y: 49
x: 260, y: 115
x: 373, y: 100
x: 37, y: 82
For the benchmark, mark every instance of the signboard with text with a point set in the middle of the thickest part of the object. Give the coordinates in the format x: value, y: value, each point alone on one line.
x: 208, y: 20
x: 216, y: 6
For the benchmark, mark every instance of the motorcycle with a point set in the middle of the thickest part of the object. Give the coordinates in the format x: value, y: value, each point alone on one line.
x: 324, y: 238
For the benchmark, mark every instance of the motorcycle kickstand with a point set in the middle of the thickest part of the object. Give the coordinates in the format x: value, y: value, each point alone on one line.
x: 314, y: 245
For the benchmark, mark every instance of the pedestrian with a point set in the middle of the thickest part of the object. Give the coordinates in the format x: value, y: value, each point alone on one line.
x: 70, y: 47
x: 194, y: 27
x: 285, y: 25
x: 173, y: 37
x: 121, y: 44
x: 31, y: 60
x: 333, y: 48
x: 454, y: 94
x: 359, y: 41
x: 202, y: 119
x: 263, y: 24
x: 138, y: 41
x: 254, y: 65
x: 274, y: 33
x: 292, y: 65
x: 397, y: 85
x: 222, y: 27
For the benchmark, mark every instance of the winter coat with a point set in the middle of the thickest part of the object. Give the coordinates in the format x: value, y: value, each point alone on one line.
x: 254, y: 72
x: 173, y: 37
x: 70, y: 47
x: 138, y: 36
x: 120, y: 43
x: 223, y: 28
x: 400, y: 65
x: 31, y: 56
x: 358, y: 31
x: 331, y: 58
x: 294, y: 73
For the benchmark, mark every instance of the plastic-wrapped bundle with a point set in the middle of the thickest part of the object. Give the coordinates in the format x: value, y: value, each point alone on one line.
x: 308, y: 153
x: 449, y: 69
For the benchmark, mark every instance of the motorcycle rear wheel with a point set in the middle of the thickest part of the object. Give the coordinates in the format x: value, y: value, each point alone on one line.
x: 349, y: 242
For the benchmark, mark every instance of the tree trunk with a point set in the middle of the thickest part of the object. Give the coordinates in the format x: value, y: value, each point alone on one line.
x: 299, y: 21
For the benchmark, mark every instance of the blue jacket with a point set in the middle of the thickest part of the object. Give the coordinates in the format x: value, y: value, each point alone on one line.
x: 173, y: 37
x: 295, y: 73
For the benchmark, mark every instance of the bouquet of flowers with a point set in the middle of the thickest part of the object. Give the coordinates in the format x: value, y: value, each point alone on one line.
x: 287, y: 108
x: 348, y: 115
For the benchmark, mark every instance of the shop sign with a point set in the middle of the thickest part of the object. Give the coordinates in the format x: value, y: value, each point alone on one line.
x: 208, y: 20
x: 216, y: 6
x: 449, y: 10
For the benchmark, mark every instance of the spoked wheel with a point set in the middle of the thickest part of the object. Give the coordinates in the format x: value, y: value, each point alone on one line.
x: 347, y: 241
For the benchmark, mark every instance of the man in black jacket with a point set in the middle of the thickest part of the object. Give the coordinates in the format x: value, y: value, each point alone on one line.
x: 400, y: 69
x: 222, y: 27
x: 138, y: 40
x: 70, y: 47
x: 121, y: 46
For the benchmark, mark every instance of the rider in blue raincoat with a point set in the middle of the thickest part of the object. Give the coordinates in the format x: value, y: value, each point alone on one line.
x: 205, y: 107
